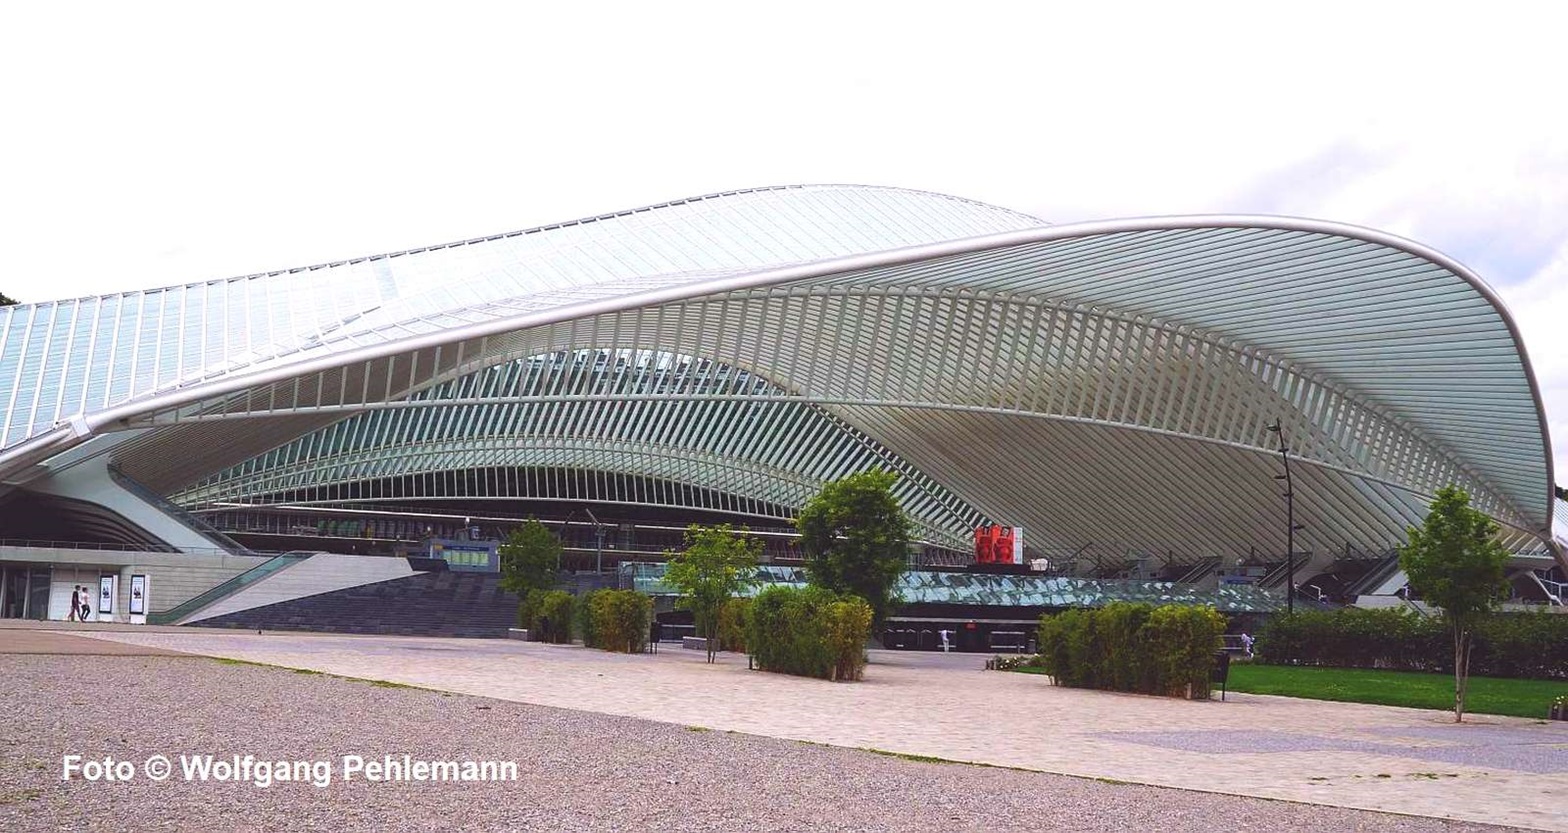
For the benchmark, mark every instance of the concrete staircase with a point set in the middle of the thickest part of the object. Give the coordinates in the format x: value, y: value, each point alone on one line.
x: 421, y: 604
x: 320, y: 573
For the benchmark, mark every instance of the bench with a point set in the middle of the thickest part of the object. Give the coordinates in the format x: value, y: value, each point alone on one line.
x: 670, y: 633
x: 1014, y: 641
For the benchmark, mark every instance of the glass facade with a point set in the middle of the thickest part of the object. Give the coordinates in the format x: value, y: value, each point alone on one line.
x: 1009, y: 591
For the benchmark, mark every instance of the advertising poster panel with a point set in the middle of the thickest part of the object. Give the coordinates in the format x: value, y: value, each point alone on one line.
x: 105, y: 598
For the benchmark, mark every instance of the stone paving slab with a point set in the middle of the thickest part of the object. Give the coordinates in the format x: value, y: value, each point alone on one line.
x: 579, y: 770
x: 1385, y: 758
x: 1541, y: 752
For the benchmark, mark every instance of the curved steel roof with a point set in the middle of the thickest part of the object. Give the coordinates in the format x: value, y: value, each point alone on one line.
x: 1096, y: 382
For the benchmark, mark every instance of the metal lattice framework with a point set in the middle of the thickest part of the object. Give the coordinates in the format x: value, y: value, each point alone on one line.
x: 1102, y: 384
x: 641, y: 421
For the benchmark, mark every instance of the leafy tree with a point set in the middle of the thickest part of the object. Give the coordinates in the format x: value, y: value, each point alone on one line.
x: 718, y: 564
x: 1455, y: 562
x: 1562, y: 494
x: 856, y: 538
x: 530, y: 558
x: 6, y: 301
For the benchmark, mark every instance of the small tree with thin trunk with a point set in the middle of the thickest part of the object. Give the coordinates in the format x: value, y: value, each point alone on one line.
x: 530, y: 563
x: 718, y: 563
x: 1455, y: 562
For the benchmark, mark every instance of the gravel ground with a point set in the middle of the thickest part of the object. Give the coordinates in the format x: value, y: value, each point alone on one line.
x: 577, y: 770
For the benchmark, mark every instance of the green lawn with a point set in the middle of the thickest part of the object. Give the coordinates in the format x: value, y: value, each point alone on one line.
x: 1488, y: 695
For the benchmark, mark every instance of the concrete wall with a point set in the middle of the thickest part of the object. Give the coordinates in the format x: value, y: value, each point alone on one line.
x: 172, y: 577
x: 91, y: 482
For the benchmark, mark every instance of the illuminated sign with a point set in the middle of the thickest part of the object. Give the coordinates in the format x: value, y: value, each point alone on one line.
x: 467, y: 556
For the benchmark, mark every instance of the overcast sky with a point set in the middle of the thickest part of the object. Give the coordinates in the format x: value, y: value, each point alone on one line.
x: 148, y: 144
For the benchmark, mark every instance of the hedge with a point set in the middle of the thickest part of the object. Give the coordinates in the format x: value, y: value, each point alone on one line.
x: 615, y: 620
x: 1523, y: 645
x: 1140, y: 648
x: 558, y: 606
x: 553, y: 622
x: 582, y: 620
x: 732, y: 624
x: 810, y: 632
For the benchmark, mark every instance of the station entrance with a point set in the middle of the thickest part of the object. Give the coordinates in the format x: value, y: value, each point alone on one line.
x: 24, y: 591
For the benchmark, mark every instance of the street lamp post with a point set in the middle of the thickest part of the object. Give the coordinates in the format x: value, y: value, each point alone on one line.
x: 566, y: 526
x: 1290, y: 519
x: 598, y: 529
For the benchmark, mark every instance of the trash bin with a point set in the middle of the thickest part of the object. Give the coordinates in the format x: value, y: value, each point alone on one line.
x: 1221, y: 672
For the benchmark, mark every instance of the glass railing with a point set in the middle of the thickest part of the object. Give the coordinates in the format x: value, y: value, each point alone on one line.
x: 233, y: 585
x: 648, y: 577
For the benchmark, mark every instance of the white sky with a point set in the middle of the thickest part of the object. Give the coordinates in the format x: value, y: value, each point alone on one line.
x: 148, y: 144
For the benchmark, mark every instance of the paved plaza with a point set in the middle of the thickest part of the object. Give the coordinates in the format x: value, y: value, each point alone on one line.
x: 1491, y: 769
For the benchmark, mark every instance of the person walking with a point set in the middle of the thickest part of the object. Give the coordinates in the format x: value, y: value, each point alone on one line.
x: 76, y: 603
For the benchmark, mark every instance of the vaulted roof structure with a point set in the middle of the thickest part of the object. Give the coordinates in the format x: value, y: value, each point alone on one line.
x: 1106, y: 384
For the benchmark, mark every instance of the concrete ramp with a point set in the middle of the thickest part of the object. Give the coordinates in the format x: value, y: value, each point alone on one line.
x: 321, y: 573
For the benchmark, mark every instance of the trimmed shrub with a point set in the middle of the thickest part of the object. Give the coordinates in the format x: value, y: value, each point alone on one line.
x: 1083, y: 651
x: 528, y: 609
x: 1166, y: 650
x: 732, y: 624
x: 1528, y: 645
x: 781, y: 635
x: 583, y: 619
x: 1525, y: 645
x: 617, y: 620
x: 1389, y: 638
x: 1052, y: 643
x: 848, y: 626
x: 1125, y: 663
x: 554, y: 619
x: 1179, y: 646
x: 810, y: 632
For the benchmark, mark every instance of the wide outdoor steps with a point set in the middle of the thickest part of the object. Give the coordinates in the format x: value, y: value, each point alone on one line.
x: 423, y: 604
x: 319, y: 574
